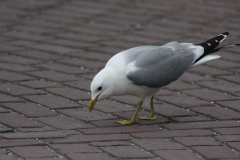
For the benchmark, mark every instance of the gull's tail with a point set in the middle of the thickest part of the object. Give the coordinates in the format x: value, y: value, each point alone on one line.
x: 210, y: 47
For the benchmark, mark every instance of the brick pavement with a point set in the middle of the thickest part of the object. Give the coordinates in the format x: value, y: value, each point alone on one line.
x: 51, y: 49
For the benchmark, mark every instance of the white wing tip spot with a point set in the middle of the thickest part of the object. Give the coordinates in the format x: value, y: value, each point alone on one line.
x: 209, y: 44
x: 225, y: 36
x: 216, y: 40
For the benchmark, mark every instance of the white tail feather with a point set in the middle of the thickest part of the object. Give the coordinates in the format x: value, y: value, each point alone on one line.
x: 206, y: 59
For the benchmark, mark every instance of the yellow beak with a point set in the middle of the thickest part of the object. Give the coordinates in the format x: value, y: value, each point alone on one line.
x: 92, y: 103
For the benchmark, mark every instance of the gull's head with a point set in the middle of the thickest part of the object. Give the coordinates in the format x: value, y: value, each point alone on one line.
x: 102, y: 86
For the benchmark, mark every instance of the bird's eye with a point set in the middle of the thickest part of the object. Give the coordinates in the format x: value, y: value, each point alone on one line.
x: 99, y: 88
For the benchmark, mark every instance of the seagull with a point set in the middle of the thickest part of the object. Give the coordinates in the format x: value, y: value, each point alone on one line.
x: 142, y: 71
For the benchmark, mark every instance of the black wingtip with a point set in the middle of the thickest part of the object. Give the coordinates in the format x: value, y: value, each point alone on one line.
x: 225, y: 33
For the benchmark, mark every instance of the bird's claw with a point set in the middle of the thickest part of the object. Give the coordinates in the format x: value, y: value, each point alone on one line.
x: 126, y: 122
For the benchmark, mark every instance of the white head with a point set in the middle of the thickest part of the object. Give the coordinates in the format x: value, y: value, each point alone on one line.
x: 102, y: 86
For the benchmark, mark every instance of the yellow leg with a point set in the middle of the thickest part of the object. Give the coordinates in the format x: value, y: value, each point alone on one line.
x: 152, y: 116
x: 134, y: 117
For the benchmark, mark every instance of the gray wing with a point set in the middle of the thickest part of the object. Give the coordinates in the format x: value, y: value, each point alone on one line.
x: 158, y: 66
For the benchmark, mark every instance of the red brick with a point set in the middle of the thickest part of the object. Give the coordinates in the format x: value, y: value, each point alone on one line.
x: 7, y: 98
x: 235, y: 145
x: 82, y: 63
x: 62, y: 122
x: 70, y: 93
x: 111, y: 143
x: 17, y: 90
x: 52, y: 101
x: 84, y: 115
x: 17, y: 121
x: 89, y: 138
x: 184, y: 101
x: 215, y: 152
x: 54, y: 76
x: 229, y: 138
x: 38, y: 55
x: 221, y: 85
x: 32, y: 151
x: 16, y: 67
x: 20, y: 142
x: 177, y: 85
x: 196, y: 141
x: 172, y: 133
x: 204, y: 70
x: 218, y: 112
x: 33, y: 135
x: 39, y: 84
x: 232, y: 78
x: 176, y: 154
x: 11, y: 76
x: 194, y: 125
x: 224, y: 131
x: 156, y: 144
x: 80, y: 84
x: 88, y: 156
x: 109, y: 106
x: 191, y: 118
x: 209, y: 95
x: 62, y: 68
x: 30, y: 109
x: 126, y: 152
x: 122, y: 129
x: 72, y: 148
x: 19, y: 60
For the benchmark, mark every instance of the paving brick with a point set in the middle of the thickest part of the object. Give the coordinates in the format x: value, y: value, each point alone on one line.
x: 89, y: 138
x: 156, y: 144
x: 122, y: 129
x: 232, y: 78
x: 177, y: 85
x: 62, y: 68
x: 126, y: 152
x: 172, y: 133
x: 221, y: 85
x: 176, y: 154
x: 27, y: 36
x: 223, y: 64
x: 17, y: 121
x: 215, y: 152
x: 209, y: 95
x: 109, y: 106
x: 72, y: 148
x: 7, y: 98
x: 84, y: 115
x: 111, y: 143
x: 20, y: 142
x: 16, y: 67
x: 225, y: 131
x: 132, y: 100
x: 191, y: 77
x: 184, y: 101
x: 229, y: 138
x: 8, y: 48
x: 83, y: 63
x: 80, y: 84
x: 17, y: 90
x: 19, y: 60
x: 30, y: 109
x: 196, y: 141
x: 105, y: 123
x: 4, y: 129
x: 70, y: 43
x: 204, y: 70
x: 191, y: 118
x: 39, y: 84
x: 194, y: 125
x: 7, y: 157
x: 32, y: 151
x: 38, y: 55
x: 3, y: 110
x: 218, y: 112
x: 92, y: 55
x: 52, y: 101
x: 235, y: 145
x: 46, y: 158
x: 34, y: 135
x: 11, y: 76
x: 54, y: 76
x: 88, y: 156
x: 62, y: 122
x: 42, y: 129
